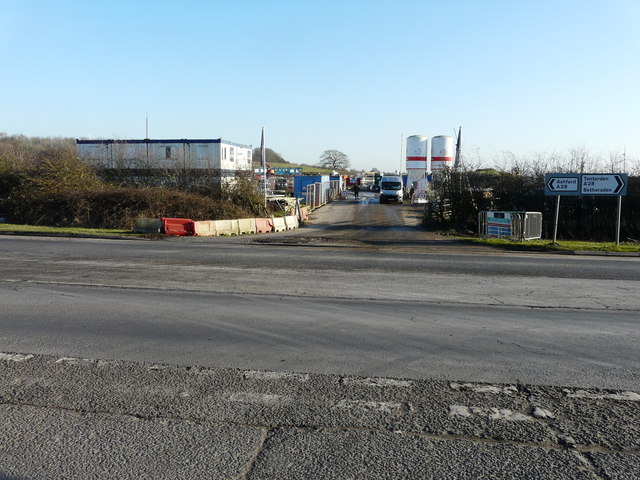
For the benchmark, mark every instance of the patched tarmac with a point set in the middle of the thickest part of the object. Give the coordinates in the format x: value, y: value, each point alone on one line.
x: 86, y: 418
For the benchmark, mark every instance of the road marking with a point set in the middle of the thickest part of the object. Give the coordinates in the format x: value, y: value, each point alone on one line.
x: 386, y: 407
x: 623, y: 396
x: 377, y: 382
x: 260, y: 398
x: 481, y: 388
x: 261, y: 375
x: 539, y: 412
x: 74, y: 361
x: 15, y: 357
x: 490, y: 412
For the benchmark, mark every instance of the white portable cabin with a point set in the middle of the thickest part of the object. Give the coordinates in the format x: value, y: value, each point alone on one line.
x: 218, y: 154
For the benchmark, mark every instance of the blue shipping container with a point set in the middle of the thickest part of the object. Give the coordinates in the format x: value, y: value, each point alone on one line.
x: 300, y: 183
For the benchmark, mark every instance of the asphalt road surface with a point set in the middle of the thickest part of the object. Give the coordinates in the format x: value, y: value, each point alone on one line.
x: 290, y: 328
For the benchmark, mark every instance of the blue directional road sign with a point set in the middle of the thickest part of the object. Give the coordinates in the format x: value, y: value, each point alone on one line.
x: 614, y: 184
x: 586, y: 184
x: 567, y: 184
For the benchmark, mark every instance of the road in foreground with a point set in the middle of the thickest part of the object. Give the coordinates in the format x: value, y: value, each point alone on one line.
x: 73, y: 418
x: 334, y: 298
x: 299, y: 315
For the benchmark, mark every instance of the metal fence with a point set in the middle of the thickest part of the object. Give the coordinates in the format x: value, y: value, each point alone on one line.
x: 513, y: 225
x: 317, y: 194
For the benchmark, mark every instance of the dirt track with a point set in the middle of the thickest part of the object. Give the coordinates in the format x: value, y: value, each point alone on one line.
x: 366, y: 223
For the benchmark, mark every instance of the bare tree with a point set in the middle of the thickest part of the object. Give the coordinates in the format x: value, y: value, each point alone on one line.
x: 580, y: 158
x: 334, y: 159
x: 615, y: 159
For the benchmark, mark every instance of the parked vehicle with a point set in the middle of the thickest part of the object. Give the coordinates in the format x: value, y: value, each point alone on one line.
x: 281, y: 183
x: 391, y: 189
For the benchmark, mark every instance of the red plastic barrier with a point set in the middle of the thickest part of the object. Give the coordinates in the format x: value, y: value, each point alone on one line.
x: 177, y: 226
x: 264, y: 225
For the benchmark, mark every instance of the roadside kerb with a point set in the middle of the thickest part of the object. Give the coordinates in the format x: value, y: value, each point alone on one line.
x: 607, y: 254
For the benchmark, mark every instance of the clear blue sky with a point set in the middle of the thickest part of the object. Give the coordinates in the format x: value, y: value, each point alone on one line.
x: 518, y: 75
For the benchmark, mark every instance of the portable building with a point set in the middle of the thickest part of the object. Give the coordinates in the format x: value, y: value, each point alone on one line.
x: 191, y: 154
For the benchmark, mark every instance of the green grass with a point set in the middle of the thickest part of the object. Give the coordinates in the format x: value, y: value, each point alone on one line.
x: 531, y: 245
x: 9, y: 227
x: 561, y: 245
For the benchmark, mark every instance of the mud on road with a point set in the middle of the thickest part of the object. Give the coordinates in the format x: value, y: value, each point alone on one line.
x: 366, y: 223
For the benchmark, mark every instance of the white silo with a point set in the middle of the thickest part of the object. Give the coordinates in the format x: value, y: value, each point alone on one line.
x: 417, y: 151
x: 441, y: 153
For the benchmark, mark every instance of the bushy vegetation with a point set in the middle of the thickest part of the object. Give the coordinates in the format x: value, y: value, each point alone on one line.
x: 43, y: 182
x: 518, y: 185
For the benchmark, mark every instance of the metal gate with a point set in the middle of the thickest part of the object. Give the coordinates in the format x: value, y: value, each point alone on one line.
x: 513, y: 225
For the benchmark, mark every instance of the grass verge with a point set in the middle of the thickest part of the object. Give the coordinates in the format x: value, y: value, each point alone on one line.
x: 11, y: 228
x: 562, y: 245
x: 305, y: 168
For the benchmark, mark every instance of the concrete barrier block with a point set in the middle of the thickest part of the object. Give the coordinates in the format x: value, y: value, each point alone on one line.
x: 247, y: 225
x: 147, y: 225
x: 206, y: 228
x: 227, y: 227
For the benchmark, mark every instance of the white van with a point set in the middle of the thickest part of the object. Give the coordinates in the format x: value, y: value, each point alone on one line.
x: 391, y: 189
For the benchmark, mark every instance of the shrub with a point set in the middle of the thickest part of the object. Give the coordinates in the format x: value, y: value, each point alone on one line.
x: 115, y: 207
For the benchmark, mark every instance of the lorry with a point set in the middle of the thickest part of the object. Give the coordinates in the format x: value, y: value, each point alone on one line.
x: 391, y: 189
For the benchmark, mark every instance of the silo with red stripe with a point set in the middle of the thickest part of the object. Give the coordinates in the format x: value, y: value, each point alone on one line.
x: 441, y: 153
x: 417, y: 150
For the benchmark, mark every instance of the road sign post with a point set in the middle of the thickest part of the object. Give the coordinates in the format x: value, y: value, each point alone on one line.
x: 618, y: 222
x: 555, y: 223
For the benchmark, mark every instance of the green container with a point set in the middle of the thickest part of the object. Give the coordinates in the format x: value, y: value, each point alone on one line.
x: 148, y: 225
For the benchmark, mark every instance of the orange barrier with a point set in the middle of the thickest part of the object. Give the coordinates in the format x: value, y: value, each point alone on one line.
x: 186, y: 226
x: 264, y: 225
x: 177, y: 226
x: 205, y: 228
